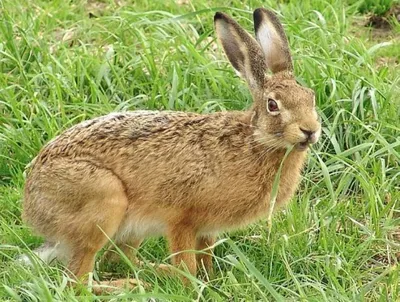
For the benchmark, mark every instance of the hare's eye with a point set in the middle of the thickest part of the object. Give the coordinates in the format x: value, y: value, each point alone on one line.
x: 272, y: 106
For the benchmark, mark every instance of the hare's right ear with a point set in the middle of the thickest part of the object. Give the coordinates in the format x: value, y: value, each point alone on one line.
x: 243, y: 51
x: 273, y: 40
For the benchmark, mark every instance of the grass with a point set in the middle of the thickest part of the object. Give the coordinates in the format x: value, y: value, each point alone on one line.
x: 62, y: 62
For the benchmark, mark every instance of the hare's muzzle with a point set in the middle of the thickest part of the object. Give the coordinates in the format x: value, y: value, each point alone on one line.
x: 310, y: 137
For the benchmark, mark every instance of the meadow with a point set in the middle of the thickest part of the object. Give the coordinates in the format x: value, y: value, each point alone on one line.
x: 62, y: 62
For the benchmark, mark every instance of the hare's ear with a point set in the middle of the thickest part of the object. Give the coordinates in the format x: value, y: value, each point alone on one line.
x: 273, y: 40
x: 242, y: 50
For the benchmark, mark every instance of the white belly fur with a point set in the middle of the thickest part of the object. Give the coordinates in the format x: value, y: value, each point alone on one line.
x: 139, y: 228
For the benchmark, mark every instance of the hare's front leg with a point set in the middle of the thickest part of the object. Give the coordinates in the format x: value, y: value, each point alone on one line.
x: 182, y: 243
x: 204, y: 257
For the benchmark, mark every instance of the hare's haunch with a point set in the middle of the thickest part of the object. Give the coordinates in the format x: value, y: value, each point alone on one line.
x: 128, y: 176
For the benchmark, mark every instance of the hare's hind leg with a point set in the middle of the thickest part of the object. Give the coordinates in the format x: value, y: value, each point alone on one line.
x: 98, y: 219
x: 77, y: 203
x: 97, y: 205
x: 94, y: 234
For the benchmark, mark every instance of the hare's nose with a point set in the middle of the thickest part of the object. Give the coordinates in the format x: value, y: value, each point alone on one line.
x: 310, y: 135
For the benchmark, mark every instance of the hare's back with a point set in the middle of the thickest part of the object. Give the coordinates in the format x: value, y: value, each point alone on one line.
x: 95, y: 138
x: 120, y: 125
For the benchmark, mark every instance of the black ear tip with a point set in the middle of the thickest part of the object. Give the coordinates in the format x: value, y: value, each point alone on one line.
x: 258, y: 11
x: 218, y: 16
x: 258, y: 17
x: 260, y: 14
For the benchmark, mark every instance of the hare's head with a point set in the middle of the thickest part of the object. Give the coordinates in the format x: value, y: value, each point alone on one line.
x: 283, y: 112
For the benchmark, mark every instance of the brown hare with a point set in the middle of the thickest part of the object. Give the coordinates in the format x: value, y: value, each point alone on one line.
x: 188, y: 176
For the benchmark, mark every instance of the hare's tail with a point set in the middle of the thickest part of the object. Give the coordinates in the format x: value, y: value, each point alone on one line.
x: 47, y: 252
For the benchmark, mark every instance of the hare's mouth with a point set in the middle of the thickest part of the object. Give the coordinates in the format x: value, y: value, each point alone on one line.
x: 303, y: 145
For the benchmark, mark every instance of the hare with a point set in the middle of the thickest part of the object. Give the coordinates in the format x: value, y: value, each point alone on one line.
x: 187, y: 176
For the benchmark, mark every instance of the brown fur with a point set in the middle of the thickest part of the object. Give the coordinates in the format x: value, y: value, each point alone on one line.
x: 184, y: 175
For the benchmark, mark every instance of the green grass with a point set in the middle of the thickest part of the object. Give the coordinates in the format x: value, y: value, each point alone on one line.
x: 379, y: 7
x: 338, y: 240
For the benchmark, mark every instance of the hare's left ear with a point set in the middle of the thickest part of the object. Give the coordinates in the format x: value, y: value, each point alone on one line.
x: 242, y: 50
x: 273, y: 40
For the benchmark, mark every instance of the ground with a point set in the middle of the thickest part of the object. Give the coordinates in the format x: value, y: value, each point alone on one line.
x: 338, y: 240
